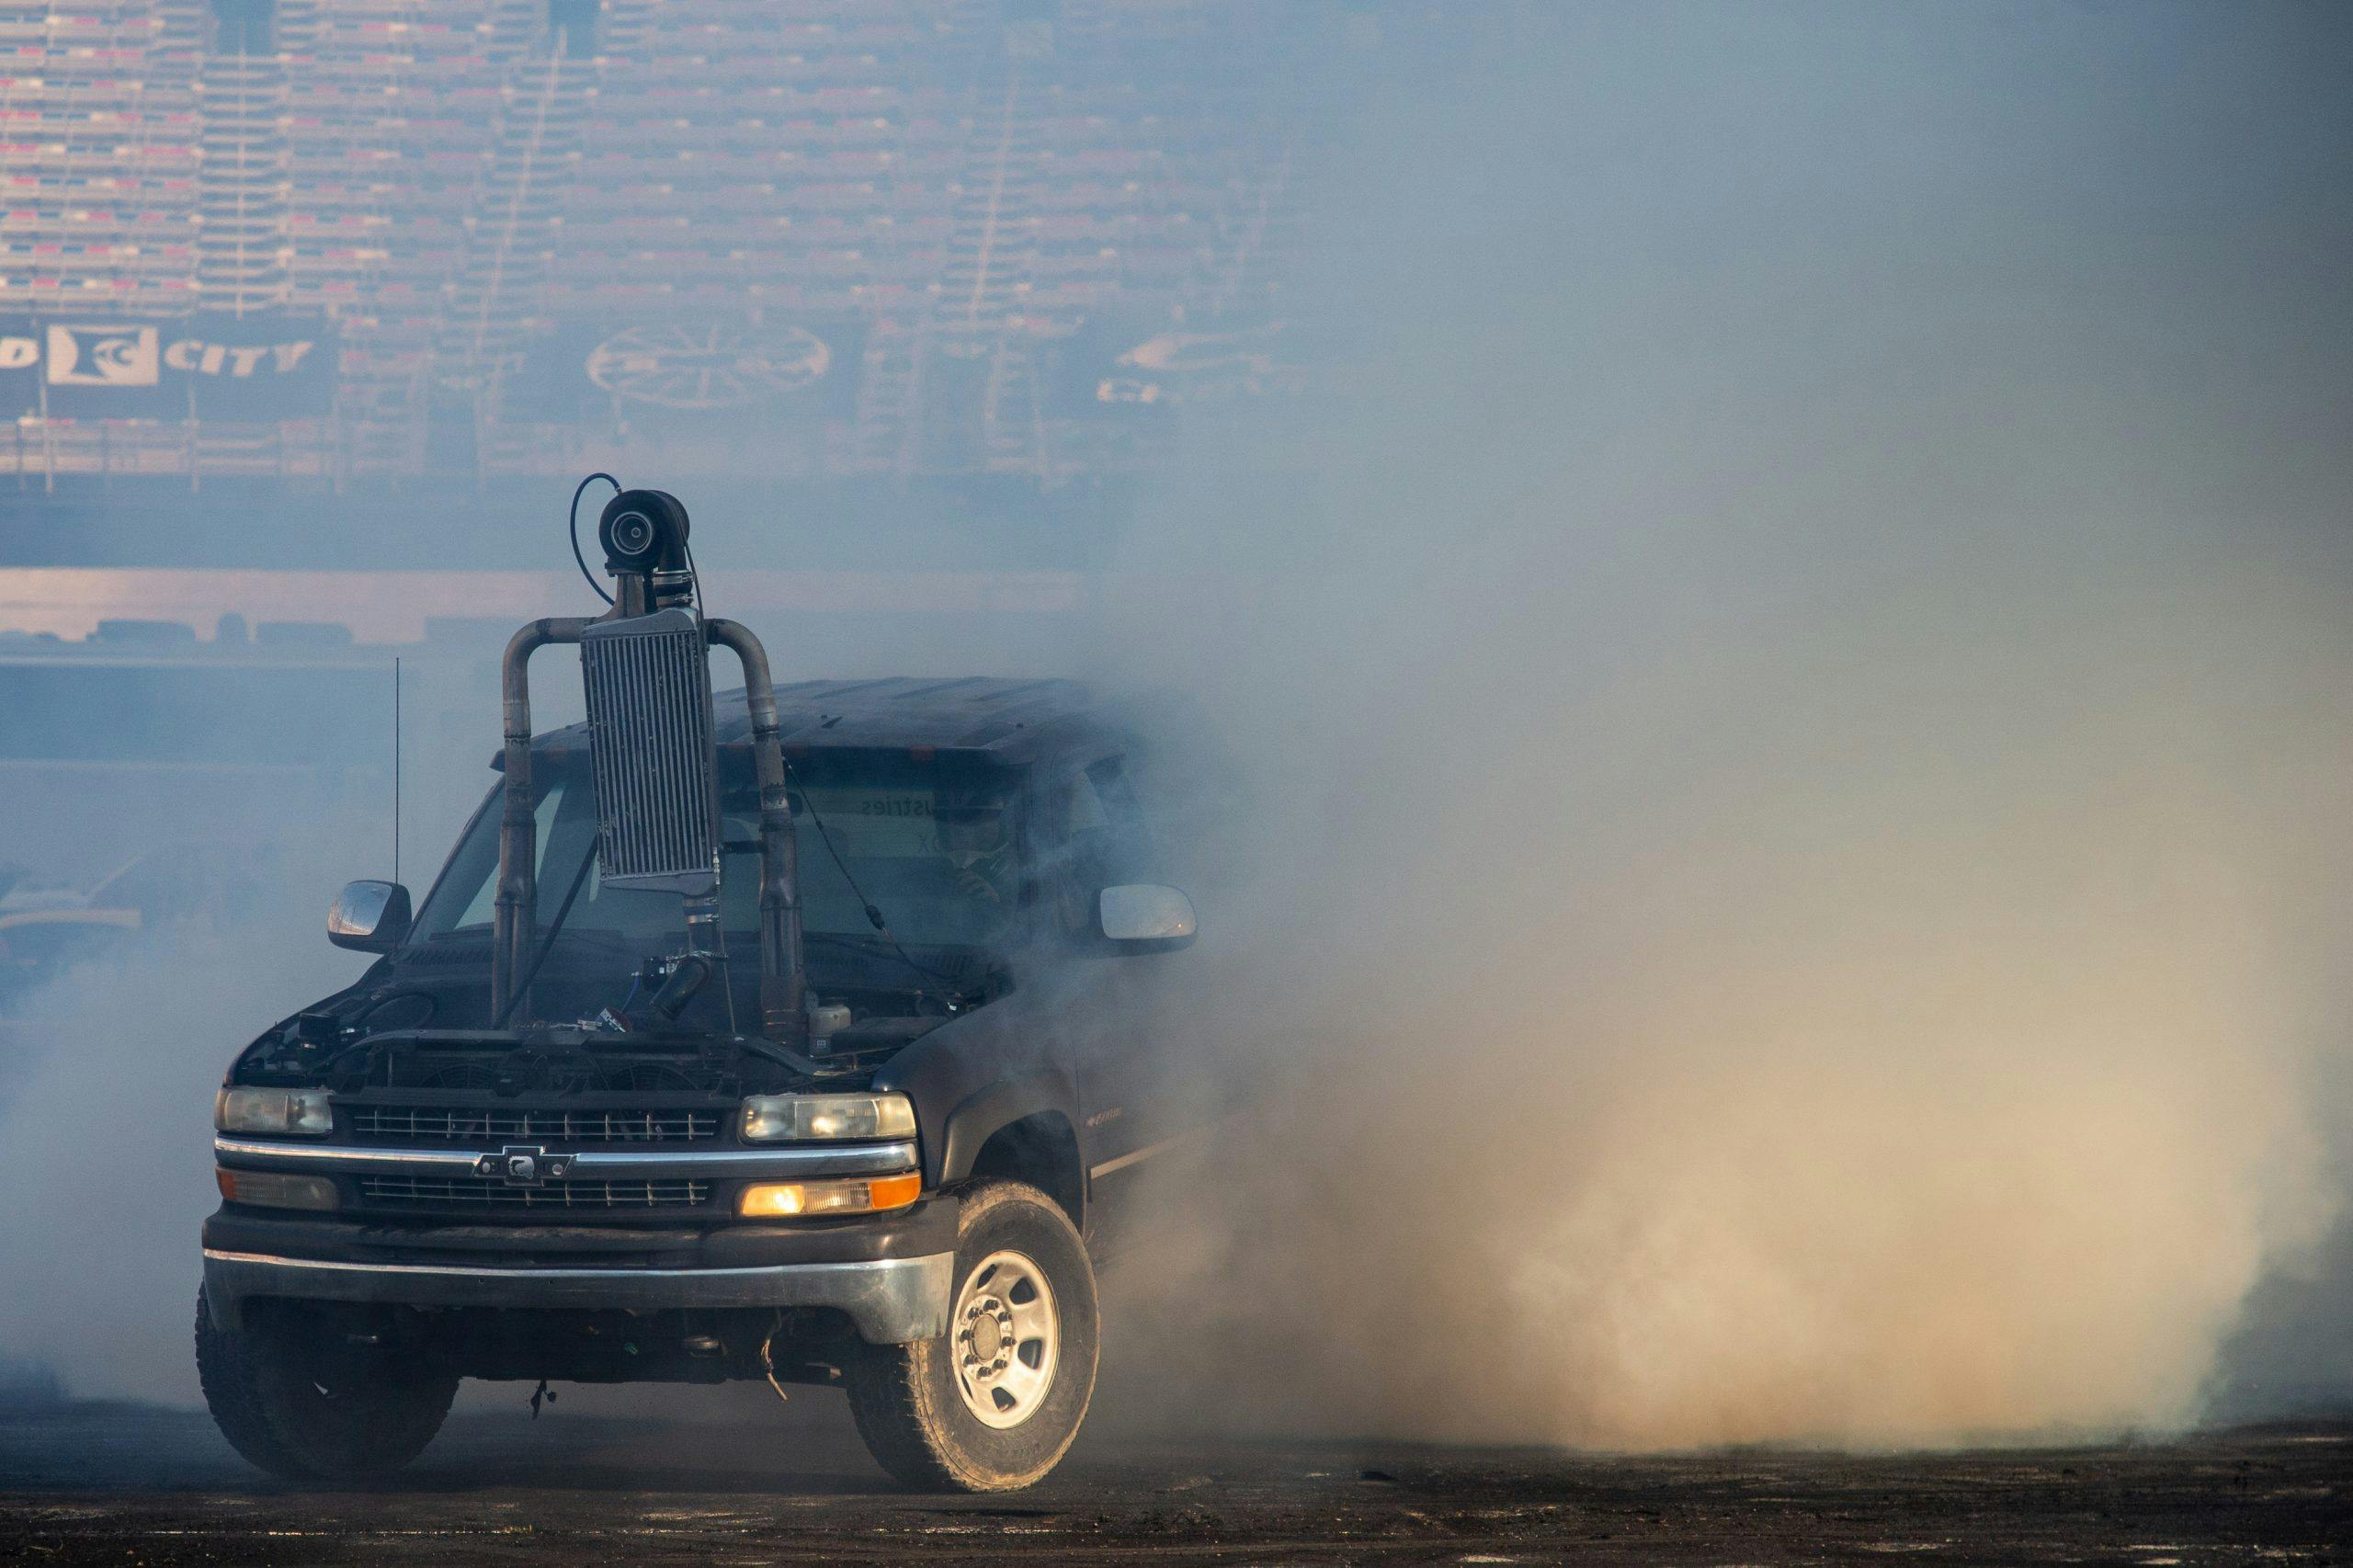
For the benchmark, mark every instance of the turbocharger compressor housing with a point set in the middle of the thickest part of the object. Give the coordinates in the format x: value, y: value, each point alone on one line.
x: 643, y: 531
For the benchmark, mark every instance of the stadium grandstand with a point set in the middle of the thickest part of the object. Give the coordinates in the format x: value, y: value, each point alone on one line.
x: 312, y: 312
x: 344, y: 242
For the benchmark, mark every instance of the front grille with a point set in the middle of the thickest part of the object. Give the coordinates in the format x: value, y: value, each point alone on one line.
x: 484, y: 1192
x: 469, y: 1124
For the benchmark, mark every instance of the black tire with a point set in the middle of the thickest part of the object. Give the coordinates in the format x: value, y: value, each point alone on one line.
x: 906, y: 1399
x: 309, y: 1411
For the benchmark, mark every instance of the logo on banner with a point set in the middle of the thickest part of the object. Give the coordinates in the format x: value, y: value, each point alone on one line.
x: 1248, y: 353
x: 1119, y: 365
x: 697, y: 368
x: 236, y: 361
x: 122, y: 356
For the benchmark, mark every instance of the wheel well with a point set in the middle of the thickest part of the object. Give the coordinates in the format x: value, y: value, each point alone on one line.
x: 1040, y: 1150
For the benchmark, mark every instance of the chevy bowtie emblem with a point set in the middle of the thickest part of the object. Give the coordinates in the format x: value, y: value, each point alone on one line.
x: 521, y: 1166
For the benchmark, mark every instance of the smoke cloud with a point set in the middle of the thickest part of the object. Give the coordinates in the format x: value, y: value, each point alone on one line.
x: 1797, y: 743
x: 105, y: 1139
x: 108, y: 1071
x: 1783, y: 871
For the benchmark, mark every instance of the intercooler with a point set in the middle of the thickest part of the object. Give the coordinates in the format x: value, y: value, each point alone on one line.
x: 647, y: 679
x: 653, y: 752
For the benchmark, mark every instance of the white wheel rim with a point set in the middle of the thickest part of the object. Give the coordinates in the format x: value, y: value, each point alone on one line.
x: 1005, y: 1338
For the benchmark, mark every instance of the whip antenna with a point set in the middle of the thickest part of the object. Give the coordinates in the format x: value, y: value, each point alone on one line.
x: 396, y: 769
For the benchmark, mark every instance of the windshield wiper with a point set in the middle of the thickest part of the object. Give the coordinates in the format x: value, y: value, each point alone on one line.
x: 571, y: 936
x: 858, y: 940
x: 962, y: 962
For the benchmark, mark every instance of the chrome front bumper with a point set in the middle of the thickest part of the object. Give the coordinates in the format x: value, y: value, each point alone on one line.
x: 892, y: 1300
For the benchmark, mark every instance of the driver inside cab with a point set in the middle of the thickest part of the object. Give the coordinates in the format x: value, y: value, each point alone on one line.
x: 974, y: 840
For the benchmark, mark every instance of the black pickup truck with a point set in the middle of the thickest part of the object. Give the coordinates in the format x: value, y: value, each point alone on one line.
x: 869, y: 1124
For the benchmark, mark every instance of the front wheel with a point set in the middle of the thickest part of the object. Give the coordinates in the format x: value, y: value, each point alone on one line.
x: 993, y: 1404
x: 307, y: 1407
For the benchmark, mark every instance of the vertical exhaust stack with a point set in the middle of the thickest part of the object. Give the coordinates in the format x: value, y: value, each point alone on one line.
x: 653, y: 755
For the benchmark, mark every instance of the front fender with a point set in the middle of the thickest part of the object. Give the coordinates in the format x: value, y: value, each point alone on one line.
x: 994, y: 1108
x: 970, y: 1079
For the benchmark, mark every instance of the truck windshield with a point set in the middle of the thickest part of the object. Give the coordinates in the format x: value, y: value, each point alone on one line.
x: 930, y: 844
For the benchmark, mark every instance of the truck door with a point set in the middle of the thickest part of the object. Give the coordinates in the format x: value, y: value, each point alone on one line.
x: 1123, y: 1010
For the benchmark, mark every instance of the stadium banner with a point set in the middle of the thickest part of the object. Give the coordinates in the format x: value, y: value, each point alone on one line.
x: 1129, y: 365
x: 261, y: 367
x: 20, y: 367
x: 268, y: 367
x: 689, y: 370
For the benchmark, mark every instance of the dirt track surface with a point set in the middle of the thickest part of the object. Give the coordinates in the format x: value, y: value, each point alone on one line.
x: 92, y: 1483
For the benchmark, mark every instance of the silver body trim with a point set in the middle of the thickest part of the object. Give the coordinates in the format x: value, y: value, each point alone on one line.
x: 1135, y: 1155
x: 758, y: 1165
x: 892, y: 1300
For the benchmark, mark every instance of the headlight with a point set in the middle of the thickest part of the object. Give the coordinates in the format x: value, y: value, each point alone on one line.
x: 273, y: 1110
x: 769, y: 1118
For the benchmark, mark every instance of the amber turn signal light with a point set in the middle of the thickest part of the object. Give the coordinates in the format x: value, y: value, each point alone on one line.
x: 791, y: 1199
x: 272, y: 1190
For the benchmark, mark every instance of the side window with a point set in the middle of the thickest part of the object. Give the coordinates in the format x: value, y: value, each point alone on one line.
x: 1095, y: 838
x: 1133, y: 856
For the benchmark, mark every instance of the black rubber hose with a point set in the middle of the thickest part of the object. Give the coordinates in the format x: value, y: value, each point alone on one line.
x: 577, y: 495
x: 523, y: 986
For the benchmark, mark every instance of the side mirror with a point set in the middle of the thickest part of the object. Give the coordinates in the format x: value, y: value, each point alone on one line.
x: 1145, y: 918
x: 371, y: 917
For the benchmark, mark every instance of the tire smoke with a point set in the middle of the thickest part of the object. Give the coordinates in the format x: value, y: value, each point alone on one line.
x: 1797, y: 749
x: 1787, y: 881
x: 1893, y: 1014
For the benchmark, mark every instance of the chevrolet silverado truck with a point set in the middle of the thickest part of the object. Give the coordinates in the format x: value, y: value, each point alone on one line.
x: 792, y: 1034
